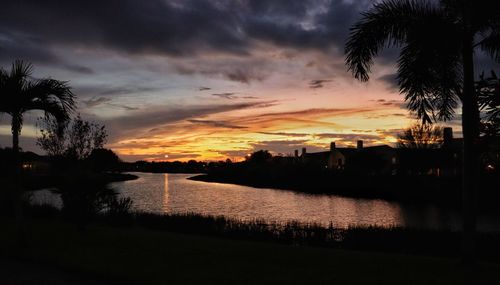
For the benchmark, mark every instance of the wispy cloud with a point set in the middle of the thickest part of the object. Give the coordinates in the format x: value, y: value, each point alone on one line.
x: 227, y: 95
x: 285, y: 134
x: 95, y: 101
x: 217, y: 124
x: 98, y: 101
x: 153, y: 118
x: 318, y: 83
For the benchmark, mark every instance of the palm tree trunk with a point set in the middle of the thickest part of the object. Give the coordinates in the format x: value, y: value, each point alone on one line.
x: 16, y: 129
x: 470, y: 124
x: 17, y: 189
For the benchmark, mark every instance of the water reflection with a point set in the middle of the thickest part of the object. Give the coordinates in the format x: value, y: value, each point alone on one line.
x: 165, y: 194
x: 173, y: 193
x: 181, y: 195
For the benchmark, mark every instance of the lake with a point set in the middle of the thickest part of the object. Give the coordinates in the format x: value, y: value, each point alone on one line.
x: 174, y: 193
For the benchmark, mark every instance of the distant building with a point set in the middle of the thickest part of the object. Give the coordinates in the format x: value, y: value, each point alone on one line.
x: 374, y: 159
x: 445, y: 160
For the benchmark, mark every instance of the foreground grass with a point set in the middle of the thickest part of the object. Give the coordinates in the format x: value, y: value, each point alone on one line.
x: 141, y: 256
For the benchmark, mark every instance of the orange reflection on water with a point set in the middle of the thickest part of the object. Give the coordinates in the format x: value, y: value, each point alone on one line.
x: 165, y: 193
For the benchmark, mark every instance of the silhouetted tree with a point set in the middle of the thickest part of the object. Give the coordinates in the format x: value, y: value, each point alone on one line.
x: 435, y: 67
x: 488, y: 91
x: 20, y: 93
x: 260, y: 157
x: 103, y: 159
x: 421, y: 136
x: 75, y: 139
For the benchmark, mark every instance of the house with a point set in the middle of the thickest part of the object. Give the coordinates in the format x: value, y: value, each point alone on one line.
x: 443, y: 160
x: 380, y: 159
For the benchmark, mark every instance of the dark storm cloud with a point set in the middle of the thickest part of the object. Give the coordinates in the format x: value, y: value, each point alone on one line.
x: 21, y: 46
x: 14, y: 46
x: 181, y: 27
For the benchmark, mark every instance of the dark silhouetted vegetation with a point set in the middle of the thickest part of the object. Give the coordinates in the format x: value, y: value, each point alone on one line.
x: 21, y: 93
x: 435, y: 68
x: 421, y: 136
x: 191, y: 166
x: 141, y: 256
x: 371, y: 238
x: 76, y: 139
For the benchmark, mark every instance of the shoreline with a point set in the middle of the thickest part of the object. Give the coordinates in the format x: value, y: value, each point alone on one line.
x: 441, y: 195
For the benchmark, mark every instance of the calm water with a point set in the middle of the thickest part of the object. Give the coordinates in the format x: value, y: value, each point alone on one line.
x: 173, y: 193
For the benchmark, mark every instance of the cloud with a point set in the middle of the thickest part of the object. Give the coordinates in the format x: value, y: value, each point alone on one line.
x: 203, y: 88
x: 387, y: 102
x: 315, y: 112
x: 389, y: 132
x: 125, y: 107
x: 184, y: 28
x: 95, y: 101
x: 244, y: 69
x: 154, y: 118
x: 217, y: 124
x: 343, y: 136
x: 14, y: 45
x: 98, y: 101
x: 318, y: 83
x: 227, y: 95
x: 285, y: 134
x: 232, y: 95
x: 391, y: 80
x: 79, y: 68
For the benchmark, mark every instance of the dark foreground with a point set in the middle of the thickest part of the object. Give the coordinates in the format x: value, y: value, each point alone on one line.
x: 107, y: 255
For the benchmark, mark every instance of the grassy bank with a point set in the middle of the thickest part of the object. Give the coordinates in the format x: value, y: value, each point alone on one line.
x: 439, y: 243
x: 137, y: 255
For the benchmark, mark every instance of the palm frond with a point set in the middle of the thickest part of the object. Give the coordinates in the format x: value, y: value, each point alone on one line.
x: 430, y: 77
x: 491, y: 45
x: 48, y: 92
x: 386, y: 24
x: 19, y: 73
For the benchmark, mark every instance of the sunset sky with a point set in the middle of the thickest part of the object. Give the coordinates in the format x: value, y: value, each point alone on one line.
x: 206, y: 80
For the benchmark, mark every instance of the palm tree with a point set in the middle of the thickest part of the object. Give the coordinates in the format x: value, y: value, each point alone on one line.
x: 437, y: 41
x: 20, y: 93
